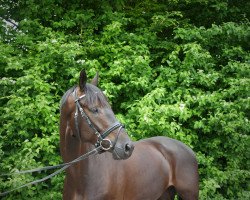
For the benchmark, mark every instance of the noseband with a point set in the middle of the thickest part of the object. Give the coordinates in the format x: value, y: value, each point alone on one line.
x: 101, y: 137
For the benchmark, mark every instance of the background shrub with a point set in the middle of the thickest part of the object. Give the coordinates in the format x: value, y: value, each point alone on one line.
x: 175, y: 68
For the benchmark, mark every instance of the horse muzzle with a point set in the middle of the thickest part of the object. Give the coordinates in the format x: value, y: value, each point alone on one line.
x: 122, y: 152
x: 121, y: 147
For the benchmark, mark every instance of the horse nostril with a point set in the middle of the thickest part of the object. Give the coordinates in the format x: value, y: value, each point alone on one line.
x: 128, y: 147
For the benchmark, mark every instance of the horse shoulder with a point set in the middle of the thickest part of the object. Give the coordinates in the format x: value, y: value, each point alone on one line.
x: 176, y: 153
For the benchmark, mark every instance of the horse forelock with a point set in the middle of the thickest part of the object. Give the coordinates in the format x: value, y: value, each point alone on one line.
x: 95, y: 96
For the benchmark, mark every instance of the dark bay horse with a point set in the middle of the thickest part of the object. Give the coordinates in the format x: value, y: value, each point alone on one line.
x: 150, y: 169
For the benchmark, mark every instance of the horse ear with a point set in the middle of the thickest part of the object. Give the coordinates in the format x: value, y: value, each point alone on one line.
x: 82, y: 80
x: 95, y: 79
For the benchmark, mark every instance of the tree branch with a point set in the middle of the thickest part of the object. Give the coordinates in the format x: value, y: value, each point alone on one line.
x: 9, y: 21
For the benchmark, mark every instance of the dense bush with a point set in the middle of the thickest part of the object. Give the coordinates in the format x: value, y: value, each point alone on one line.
x: 176, y: 68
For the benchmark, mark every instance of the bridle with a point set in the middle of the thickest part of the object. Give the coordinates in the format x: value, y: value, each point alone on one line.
x: 100, y: 147
x: 101, y: 137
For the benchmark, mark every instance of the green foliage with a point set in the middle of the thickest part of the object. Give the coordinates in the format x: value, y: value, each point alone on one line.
x: 176, y: 68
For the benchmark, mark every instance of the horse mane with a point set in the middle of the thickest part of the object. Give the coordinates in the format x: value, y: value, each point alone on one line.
x: 93, y: 96
x: 66, y: 95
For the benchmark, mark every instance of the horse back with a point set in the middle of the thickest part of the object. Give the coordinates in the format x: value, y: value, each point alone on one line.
x: 171, y: 148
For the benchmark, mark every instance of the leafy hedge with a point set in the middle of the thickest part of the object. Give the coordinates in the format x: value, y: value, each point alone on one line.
x: 175, y: 68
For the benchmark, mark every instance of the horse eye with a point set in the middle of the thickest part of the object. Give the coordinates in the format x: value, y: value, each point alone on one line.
x: 94, y: 110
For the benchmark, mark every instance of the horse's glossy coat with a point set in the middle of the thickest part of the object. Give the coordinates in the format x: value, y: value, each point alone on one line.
x: 157, y: 168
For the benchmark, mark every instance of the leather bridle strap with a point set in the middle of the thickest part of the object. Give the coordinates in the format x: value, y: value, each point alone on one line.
x: 112, y: 128
x: 62, y: 166
x: 83, y: 114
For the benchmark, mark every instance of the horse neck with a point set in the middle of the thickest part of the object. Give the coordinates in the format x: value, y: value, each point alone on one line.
x: 85, y: 147
x: 96, y: 166
x: 94, y: 163
x: 82, y: 166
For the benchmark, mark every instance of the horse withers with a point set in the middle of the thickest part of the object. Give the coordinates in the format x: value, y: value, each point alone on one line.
x: 150, y: 169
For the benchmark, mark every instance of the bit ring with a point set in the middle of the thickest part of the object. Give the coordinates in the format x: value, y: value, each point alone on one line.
x: 106, y: 148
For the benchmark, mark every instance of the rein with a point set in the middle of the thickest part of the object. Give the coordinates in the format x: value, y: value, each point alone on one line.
x: 62, y: 166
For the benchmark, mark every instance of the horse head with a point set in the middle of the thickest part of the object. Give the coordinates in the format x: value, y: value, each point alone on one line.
x: 95, y: 122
